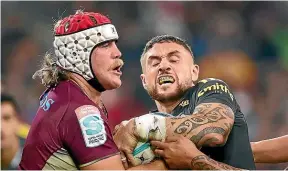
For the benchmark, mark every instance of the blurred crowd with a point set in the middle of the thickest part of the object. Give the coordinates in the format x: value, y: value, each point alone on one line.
x: 242, y: 43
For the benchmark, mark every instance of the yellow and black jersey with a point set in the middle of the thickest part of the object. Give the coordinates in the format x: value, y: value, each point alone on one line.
x: 237, y: 151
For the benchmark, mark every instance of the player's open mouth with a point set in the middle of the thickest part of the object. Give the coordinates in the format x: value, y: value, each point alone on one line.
x: 117, y: 69
x: 166, y: 80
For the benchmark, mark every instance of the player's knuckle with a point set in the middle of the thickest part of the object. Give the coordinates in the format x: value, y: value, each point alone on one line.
x: 121, y: 147
x: 168, y: 161
x: 164, y: 154
x: 125, y: 149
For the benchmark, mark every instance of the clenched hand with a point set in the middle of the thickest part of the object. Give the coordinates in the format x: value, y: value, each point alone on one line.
x: 125, y: 139
x: 177, y: 151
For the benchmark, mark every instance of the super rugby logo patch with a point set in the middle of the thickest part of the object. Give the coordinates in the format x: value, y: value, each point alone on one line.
x: 92, y: 125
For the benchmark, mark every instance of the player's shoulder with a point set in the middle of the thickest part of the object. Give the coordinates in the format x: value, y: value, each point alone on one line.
x: 69, y: 100
x: 207, y: 81
x: 207, y: 84
x: 61, y: 100
x: 214, y: 86
x: 90, y: 111
x: 201, y: 87
x: 54, y: 98
x: 210, y: 84
x: 66, y: 93
x: 84, y: 110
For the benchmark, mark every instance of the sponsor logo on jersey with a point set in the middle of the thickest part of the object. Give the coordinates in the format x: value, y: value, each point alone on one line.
x: 216, y: 88
x: 184, y: 103
x: 46, y: 103
x: 92, y: 125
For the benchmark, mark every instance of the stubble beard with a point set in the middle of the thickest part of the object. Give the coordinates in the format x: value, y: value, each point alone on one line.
x: 163, y: 98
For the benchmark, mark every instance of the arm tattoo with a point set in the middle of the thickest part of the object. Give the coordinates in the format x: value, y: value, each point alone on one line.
x: 204, y: 162
x: 212, y: 141
x: 205, y: 131
x: 229, y: 126
x: 228, y: 112
x: 211, y: 117
x: 199, y: 119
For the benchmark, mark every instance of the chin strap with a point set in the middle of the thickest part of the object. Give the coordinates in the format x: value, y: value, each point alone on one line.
x: 96, y: 84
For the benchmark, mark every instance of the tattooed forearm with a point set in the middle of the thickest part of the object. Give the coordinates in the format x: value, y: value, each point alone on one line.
x: 203, y: 162
x: 207, y: 120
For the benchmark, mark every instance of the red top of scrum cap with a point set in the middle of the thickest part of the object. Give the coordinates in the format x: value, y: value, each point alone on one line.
x: 79, y: 22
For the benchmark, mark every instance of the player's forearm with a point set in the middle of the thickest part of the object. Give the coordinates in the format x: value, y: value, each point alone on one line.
x: 155, y: 165
x: 203, y: 162
x: 271, y: 151
x: 209, y: 125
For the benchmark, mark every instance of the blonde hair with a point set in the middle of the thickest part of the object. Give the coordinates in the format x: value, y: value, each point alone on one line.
x: 50, y: 73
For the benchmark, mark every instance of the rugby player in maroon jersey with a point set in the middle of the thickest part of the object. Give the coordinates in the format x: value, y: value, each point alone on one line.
x: 70, y: 129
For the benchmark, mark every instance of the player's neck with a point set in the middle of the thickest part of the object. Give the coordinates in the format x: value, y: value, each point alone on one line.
x: 92, y: 94
x: 7, y: 154
x: 167, y: 107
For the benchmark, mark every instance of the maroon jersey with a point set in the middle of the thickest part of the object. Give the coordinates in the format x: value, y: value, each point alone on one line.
x: 69, y: 131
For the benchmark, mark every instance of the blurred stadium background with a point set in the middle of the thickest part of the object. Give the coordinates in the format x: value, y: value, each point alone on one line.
x: 243, y: 43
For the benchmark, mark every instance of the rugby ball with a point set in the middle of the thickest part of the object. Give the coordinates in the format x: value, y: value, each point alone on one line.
x: 143, y: 153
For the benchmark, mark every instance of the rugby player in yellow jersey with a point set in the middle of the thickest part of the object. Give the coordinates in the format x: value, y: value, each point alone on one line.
x: 204, y: 111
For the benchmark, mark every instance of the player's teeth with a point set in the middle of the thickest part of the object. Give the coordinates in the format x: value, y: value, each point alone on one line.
x: 166, y: 79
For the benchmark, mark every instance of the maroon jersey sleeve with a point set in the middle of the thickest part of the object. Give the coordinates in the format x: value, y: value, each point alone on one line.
x: 88, y: 137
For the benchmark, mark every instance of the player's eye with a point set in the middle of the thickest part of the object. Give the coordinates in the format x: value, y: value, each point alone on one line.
x: 174, y: 59
x: 104, y: 45
x: 6, y: 118
x: 155, y: 63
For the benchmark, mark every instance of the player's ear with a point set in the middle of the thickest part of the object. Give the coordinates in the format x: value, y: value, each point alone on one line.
x: 195, y: 72
x: 142, y: 76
